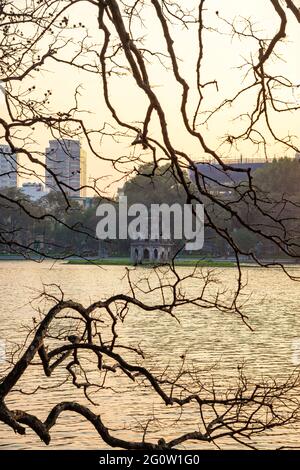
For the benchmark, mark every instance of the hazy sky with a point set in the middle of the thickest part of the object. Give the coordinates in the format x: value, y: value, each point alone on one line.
x: 223, y: 56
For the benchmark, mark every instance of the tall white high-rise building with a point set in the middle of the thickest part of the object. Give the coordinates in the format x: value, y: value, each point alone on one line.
x: 67, y: 160
x: 8, y: 168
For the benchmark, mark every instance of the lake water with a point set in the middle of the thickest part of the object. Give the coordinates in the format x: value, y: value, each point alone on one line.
x: 209, y: 337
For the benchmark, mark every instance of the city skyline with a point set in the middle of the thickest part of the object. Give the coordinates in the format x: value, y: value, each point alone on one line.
x: 226, y: 61
x: 65, y: 158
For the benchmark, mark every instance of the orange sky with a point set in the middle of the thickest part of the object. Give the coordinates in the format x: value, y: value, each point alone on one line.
x: 222, y: 57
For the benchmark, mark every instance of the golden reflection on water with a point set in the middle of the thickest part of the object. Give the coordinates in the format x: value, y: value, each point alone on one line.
x: 209, y: 337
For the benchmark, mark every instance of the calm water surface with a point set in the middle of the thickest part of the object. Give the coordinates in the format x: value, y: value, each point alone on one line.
x: 272, y: 349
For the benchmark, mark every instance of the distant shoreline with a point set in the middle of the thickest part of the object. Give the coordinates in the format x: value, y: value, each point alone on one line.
x: 123, y: 261
x: 120, y: 261
x: 128, y: 262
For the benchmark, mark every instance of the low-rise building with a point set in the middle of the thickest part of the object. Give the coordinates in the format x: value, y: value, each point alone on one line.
x: 33, y: 190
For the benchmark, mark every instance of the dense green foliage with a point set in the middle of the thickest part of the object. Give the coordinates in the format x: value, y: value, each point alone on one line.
x: 277, y: 188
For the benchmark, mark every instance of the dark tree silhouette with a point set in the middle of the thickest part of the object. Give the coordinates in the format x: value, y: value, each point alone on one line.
x: 118, y: 43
